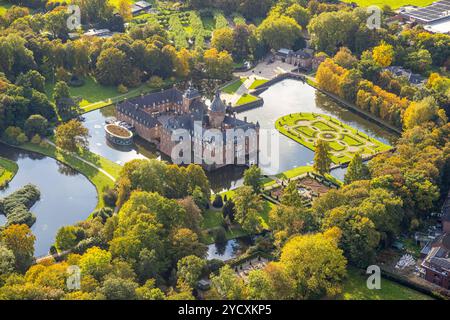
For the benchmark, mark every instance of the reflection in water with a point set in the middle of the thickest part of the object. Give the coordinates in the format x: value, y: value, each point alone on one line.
x: 288, y: 96
x: 229, y: 250
x: 66, y: 196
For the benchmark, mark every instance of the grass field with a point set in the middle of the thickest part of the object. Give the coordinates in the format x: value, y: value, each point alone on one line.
x: 355, y: 288
x: 394, y: 4
x: 257, y: 83
x: 8, y: 170
x: 343, y: 140
x: 95, y: 96
x: 232, y: 87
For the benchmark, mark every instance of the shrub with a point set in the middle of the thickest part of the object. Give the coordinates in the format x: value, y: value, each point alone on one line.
x: 155, y: 82
x: 36, y: 139
x: 109, y: 197
x: 122, y: 89
x: 36, y: 124
x: 22, y: 138
x: 104, y: 213
x: 218, y: 203
x: 12, y: 134
x: 16, y: 206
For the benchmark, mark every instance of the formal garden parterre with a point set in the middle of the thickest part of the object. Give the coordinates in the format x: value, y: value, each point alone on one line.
x: 343, y: 141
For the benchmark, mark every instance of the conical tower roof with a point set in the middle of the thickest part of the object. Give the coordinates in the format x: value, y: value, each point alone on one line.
x: 218, y: 105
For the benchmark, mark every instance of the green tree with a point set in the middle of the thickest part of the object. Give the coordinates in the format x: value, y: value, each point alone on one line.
x: 7, y: 260
x: 115, y: 288
x: 252, y: 178
x: 72, y: 136
x: 190, y: 269
x: 66, y: 238
x: 96, y: 262
x: 228, y: 285
x: 222, y: 39
x: 357, y: 170
x: 36, y: 124
x: 315, y: 264
x: 279, y: 32
x: 20, y: 240
x: 248, y: 207
x: 322, y: 161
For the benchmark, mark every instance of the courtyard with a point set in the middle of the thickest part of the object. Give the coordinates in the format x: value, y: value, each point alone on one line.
x: 343, y: 141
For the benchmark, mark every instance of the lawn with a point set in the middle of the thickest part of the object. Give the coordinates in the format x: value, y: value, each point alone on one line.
x: 246, y: 98
x: 257, y: 83
x: 344, y: 141
x: 394, y: 4
x: 233, y: 87
x: 8, y: 170
x: 95, y: 96
x: 97, y: 178
x: 355, y: 289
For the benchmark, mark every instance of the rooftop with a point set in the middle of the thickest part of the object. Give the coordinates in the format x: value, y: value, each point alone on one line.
x: 434, y: 12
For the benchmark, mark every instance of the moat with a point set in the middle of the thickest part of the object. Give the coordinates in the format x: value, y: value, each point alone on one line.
x: 68, y: 197
x: 288, y: 96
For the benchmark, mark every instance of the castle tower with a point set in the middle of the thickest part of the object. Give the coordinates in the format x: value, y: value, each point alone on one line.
x: 217, y: 111
x: 189, y: 95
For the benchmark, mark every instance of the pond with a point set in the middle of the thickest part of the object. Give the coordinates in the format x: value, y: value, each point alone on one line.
x: 229, y: 250
x: 66, y: 195
x: 288, y: 96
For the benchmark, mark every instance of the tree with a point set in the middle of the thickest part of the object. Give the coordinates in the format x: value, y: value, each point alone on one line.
x: 331, y: 30
x: 241, y: 39
x: 228, y: 285
x: 252, y: 178
x: 229, y: 210
x: 20, y: 240
x: 185, y: 243
x: 299, y: 13
x: 124, y: 9
x: 222, y: 39
x: 190, y: 269
x: 357, y: 170
x: 71, y: 136
x: 65, y: 105
x: 345, y: 58
x: 149, y: 292
x: 66, y: 238
x: 115, y: 288
x: 419, y: 60
x: 95, y: 262
x: 279, y: 32
x: 291, y: 197
x: 113, y: 67
x: 322, y: 159
x: 421, y: 112
x: 218, y: 65
x: 218, y: 202
x: 248, y: 207
x: 315, y: 264
x: 7, y: 260
x: 383, y: 54
x: 36, y: 124
x: 359, y: 237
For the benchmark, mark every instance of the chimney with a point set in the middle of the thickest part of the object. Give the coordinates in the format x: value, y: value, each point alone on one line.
x: 245, y: 119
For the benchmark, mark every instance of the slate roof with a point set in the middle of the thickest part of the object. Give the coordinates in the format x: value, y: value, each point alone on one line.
x: 140, y: 109
x: 218, y: 105
x: 302, y: 54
